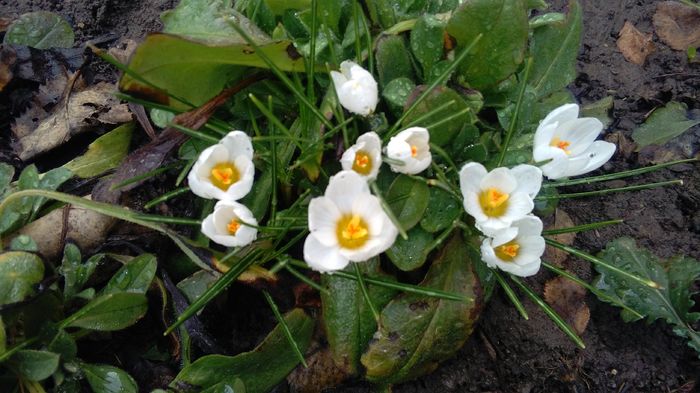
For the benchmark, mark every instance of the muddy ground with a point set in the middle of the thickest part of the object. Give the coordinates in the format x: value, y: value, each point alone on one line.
x: 506, y: 353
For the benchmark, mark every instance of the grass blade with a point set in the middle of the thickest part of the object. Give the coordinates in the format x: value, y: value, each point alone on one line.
x: 511, y: 295
x: 514, y: 119
x: 582, y: 228
x: 611, y: 190
x: 287, y: 332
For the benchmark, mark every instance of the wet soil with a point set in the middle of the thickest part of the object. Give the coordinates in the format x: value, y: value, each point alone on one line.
x: 506, y: 353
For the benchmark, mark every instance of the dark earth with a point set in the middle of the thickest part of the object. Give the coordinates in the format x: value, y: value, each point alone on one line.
x: 505, y: 353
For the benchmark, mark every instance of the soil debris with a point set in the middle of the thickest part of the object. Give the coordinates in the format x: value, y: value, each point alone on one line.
x: 567, y: 299
x: 677, y: 25
x: 634, y: 44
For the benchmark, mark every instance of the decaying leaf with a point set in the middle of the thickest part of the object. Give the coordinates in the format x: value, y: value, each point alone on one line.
x: 677, y: 25
x: 568, y: 299
x: 634, y: 44
x: 8, y: 57
x: 42, y: 66
x: 77, y: 112
x: 321, y: 374
x: 555, y: 255
x: 87, y: 228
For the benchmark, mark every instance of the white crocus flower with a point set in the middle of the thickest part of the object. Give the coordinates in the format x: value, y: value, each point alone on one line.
x: 365, y: 156
x: 569, y: 142
x: 346, y: 224
x: 224, y: 171
x: 226, y: 225
x: 497, y: 198
x: 412, y: 148
x: 516, y: 249
x: 356, y: 88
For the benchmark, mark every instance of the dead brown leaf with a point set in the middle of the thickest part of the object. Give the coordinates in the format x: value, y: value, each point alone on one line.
x: 321, y: 373
x: 677, y: 25
x: 568, y: 299
x: 634, y: 44
x: 555, y: 255
x: 8, y: 57
x: 77, y: 112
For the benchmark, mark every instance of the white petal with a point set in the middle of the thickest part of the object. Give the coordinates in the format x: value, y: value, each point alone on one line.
x: 519, y: 206
x: 322, y: 258
x: 528, y: 226
x: 243, y: 186
x: 523, y: 270
x: 346, y: 68
x: 473, y: 207
x: 580, y: 133
x: 323, y: 220
x: 344, y: 187
x: 504, y: 236
x: 470, y: 177
x: 546, y: 152
x: 488, y: 255
x: 543, y: 137
x: 198, y: 178
x: 529, y: 179
x: 348, y: 158
x: 597, y: 154
x: 238, y: 143
x: 561, y: 114
x: 338, y: 79
x: 500, y: 179
x: 492, y: 226
x: 417, y: 134
x: 531, y: 248
x: 556, y: 169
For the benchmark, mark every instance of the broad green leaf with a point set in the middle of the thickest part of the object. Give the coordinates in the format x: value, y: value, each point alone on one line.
x: 209, y: 22
x: 500, y: 50
x: 40, y: 30
x: 396, y: 93
x: 672, y: 301
x: 408, y: 199
x: 108, y: 379
x: 417, y: 332
x: 23, y: 243
x: 393, y: 59
x: 63, y: 344
x: 50, y: 180
x: 260, y: 369
x: 348, y: 320
x: 197, y: 72
x: 663, y: 125
x: 441, y: 212
x: 105, y: 153
x: 233, y: 386
x: 110, y: 312
x: 195, y: 285
x: 6, y: 174
x: 427, y: 39
x: 35, y: 365
x: 554, y: 49
x: 135, y: 276
x: 444, y: 124
x: 75, y: 272
x: 410, y: 254
x: 258, y: 200
x: 19, y: 272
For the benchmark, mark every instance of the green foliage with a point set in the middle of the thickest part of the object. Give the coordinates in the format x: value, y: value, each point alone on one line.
x: 40, y: 30
x: 417, y: 332
x: 260, y: 369
x: 35, y: 365
x: 408, y: 199
x: 114, y: 311
x: 410, y: 254
x: 75, y: 272
x: 427, y: 41
x: 663, y: 125
x: 134, y: 277
x: 105, y: 153
x: 393, y: 60
x: 19, y: 272
x: 672, y: 301
x: 108, y: 379
x: 441, y: 212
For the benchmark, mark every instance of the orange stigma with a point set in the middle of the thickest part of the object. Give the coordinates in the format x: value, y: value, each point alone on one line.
x: 564, y: 145
x: 233, y: 226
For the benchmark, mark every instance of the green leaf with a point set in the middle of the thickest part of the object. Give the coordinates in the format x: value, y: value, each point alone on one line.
x: 501, y: 49
x: 105, y: 153
x: 19, y: 272
x: 408, y: 199
x: 441, y: 212
x: 110, y: 312
x: 260, y: 369
x: 444, y: 124
x: 258, y: 199
x: 195, y: 285
x: 23, y: 243
x: 63, y: 344
x: 3, y: 337
x: 40, y: 30
x: 347, y: 318
x: 393, y: 59
x: 75, y: 273
x: 35, y: 365
x: 554, y: 49
x: 427, y: 41
x: 418, y: 332
x: 600, y: 110
x: 663, y: 125
x: 135, y: 276
x: 671, y: 302
x: 107, y: 379
x: 233, y: 386
x: 410, y: 254
x: 396, y: 93
x: 6, y: 174
x: 194, y: 71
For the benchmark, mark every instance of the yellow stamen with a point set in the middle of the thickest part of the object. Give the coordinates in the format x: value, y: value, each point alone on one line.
x: 224, y: 174
x: 564, y: 145
x: 362, y: 163
x: 352, y: 231
x: 233, y: 226
x: 493, y: 202
x: 507, y: 252
x: 414, y: 151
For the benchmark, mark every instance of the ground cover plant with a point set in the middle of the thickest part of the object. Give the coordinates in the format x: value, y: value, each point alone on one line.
x: 396, y: 149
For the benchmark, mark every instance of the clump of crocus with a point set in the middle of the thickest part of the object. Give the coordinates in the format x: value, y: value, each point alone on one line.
x: 570, y: 143
x: 231, y: 224
x: 346, y: 224
x: 516, y: 249
x: 410, y: 149
x: 356, y: 88
x: 364, y: 157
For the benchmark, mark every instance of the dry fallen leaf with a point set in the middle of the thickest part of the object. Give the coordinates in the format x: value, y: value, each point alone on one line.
x: 77, y: 112
x: 567, y: 299
x: 321, y: 373
x: 634, y: 44
x: 677, y: 25
x: 555, y: 255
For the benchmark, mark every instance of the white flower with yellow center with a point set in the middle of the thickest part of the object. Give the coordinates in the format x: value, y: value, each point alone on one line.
x: 227, y: 224
x: 495, y: 199
x: 412, y: 148
x: 516, y: 249
x: 364, y: 157
x: 224, y: 171
x: 356, y: 88
x: 569, y: 142
x: 346, y: 224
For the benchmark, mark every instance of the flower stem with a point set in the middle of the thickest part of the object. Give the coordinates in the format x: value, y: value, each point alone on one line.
x: 365, y: 293
x: 167, y: 196
x: 514, y: 119
x: 582, y: 228
x: 285, y: 328
x: 610, y: 190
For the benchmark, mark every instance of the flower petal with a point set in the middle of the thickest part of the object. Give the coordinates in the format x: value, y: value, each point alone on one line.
x: 597, y: 154
x: 529, y: 179
x: 238, y: 143
x: 470, y: 177
x: 580, y: 133
x: 519, y: 205
x: 561, y: 114
x: 473, y: 207
x: 543, y: 136
x: 323, y: 219
x: 528, y: 226
x: 322, y: 258
x: 500, y: 179
x: 344, y: 187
